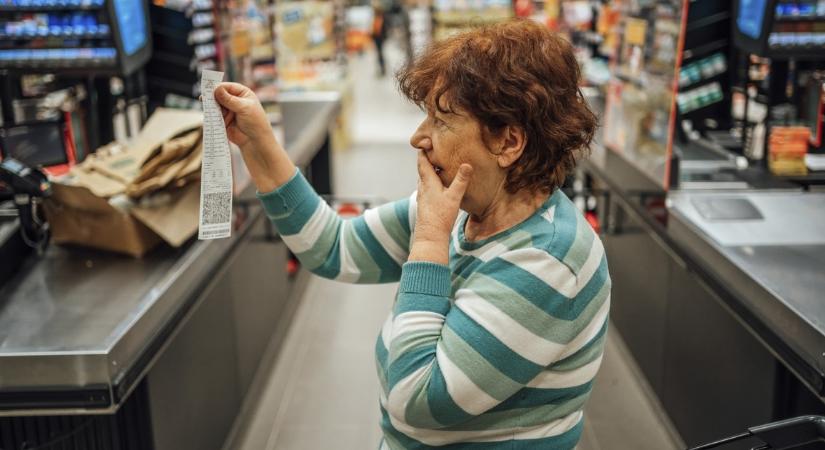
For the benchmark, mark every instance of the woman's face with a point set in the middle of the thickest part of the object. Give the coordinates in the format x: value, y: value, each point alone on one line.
x: 450, y: 139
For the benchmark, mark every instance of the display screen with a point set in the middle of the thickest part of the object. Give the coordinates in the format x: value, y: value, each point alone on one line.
x: 751, y: 17
x: 35, y: 145
x: 12, y: 165
x: 132, y: 24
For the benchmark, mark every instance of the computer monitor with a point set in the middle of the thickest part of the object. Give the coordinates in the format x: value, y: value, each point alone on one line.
x: 754, y: 19
x: 133, y: 38
x: 750, y: 17
x: 36, y: 145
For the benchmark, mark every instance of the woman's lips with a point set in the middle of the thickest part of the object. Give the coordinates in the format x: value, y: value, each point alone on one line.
x: 436, y: 167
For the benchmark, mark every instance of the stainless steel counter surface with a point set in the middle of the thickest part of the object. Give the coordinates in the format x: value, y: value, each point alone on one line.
x: 774, y: 263
x: 79, y: 327
x: 307, y: 117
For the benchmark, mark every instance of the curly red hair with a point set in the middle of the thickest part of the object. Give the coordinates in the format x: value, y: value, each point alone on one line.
x: 511, y: 73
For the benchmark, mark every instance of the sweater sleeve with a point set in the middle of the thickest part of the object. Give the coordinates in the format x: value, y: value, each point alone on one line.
x: 367, y: 249
x: 513, y: 323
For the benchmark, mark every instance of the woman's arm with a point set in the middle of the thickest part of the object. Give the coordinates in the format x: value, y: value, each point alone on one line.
x: 368, y: 249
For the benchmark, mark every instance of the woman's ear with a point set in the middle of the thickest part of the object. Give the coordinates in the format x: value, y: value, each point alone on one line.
x: 513, y: 140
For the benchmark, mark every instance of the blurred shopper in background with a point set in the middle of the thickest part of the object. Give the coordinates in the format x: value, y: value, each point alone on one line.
x: 499, y: 322
x: 379, y: 35
x: 400, y: 17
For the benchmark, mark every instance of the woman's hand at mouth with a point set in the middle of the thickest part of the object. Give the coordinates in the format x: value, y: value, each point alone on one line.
x: 437, y: 211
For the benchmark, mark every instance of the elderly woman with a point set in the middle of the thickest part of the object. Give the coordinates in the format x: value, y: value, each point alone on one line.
x: 499, y: 322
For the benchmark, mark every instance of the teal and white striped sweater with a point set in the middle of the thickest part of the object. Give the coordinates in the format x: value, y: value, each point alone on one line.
x: 496, y: 351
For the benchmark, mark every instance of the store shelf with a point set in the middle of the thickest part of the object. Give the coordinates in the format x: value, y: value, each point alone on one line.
x: 781, y: 53
x: 202, y: 19
x: 263, y: 61
x: 201, y: 36
x: 29, y: 37
x: 704, y: 50
x: 59, y: 64
x: 590, y: 37
x: 44, y: 8
x: 178, y: 62
x: 711, y: 78
x: 701, y: 108
x: 475, y: 17
x: 707, y: 21
x: 640, y: 81
x: 792, y: 19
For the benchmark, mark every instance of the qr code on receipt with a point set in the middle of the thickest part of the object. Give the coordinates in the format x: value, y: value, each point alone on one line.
x: 214, y: 210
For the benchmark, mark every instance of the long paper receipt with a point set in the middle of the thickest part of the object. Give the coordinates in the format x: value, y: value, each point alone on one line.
x: 216, y: 168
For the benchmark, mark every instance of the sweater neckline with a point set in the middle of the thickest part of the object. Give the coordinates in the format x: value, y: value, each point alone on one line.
x: 472, y: 245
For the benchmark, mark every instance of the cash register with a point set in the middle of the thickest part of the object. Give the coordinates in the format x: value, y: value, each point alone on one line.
x: 22, y: 227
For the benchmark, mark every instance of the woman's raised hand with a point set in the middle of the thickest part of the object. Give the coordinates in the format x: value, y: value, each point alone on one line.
x: 246, y: 121
x: 248, y: 127
x: 437, y: 211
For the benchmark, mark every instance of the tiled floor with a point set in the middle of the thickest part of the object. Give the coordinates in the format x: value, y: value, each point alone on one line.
x: 321, y: 391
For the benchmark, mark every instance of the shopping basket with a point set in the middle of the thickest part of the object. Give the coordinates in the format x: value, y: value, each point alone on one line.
x: 806, y: 432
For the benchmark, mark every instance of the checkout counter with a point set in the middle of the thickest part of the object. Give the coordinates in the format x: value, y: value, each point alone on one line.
x: 717, y: 289
x: 103, y: 351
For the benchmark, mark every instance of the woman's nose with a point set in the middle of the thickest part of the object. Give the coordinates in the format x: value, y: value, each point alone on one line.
x: 420, y: 140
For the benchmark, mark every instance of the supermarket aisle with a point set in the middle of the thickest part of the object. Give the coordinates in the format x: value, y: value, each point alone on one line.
x: 331, y: 395
x: 322, y: 392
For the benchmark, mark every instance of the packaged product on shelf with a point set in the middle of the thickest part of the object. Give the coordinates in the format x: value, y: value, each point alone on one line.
x: 359, y: 27
x: 454, y: 16
x: 310, y: 46
x: 699, y: 97
x: 305, y: 30
x: 787, y: 147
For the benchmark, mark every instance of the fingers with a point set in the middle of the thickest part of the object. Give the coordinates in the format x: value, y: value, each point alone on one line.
x: 426, y: 172
x: 227, y: 115
x: 236, y: 89
x: 232, y: 96
x: 228, y: 118
x: 462, y: 179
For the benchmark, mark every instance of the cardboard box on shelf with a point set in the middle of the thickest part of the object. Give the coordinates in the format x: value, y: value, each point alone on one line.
x: 129, y: 198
